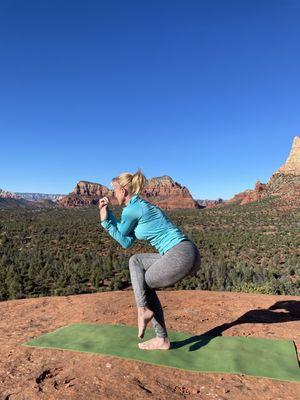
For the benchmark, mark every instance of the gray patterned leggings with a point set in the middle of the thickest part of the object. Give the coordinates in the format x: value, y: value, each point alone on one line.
x: 149, y: 271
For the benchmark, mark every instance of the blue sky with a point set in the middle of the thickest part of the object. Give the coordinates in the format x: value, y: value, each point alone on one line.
x: 207, y: 92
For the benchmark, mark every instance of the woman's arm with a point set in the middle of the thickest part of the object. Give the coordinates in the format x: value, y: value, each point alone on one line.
x: 111, y: 217
x: 105, y: 212
x: 122, y: 231
x: 129, y: 220
x: 124, y: 241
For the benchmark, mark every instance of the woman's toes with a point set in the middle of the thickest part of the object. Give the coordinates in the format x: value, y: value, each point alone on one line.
x: 155, y: 344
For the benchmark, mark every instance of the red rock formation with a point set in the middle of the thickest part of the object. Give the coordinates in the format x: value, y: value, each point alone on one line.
x: 167, y: 194
x: 85, y: 194
x: 284, y: 183
x: 161, y: 191
x: 256, y: 194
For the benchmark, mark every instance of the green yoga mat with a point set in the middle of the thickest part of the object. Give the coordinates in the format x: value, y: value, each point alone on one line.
x: 276, y: 359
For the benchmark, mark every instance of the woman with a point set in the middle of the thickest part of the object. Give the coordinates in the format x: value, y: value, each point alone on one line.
x: 177, y: 255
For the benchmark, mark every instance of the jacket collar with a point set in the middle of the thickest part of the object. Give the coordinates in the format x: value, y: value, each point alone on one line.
x: 133, y: 199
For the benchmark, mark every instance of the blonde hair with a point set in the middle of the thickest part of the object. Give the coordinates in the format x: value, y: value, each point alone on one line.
x: 134, y: 183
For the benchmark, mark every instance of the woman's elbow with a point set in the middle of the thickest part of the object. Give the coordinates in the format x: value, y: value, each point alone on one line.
x: 127, y: 245
x: 124, y: 232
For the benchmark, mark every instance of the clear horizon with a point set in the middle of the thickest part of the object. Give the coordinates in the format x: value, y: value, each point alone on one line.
x: 206, y: 92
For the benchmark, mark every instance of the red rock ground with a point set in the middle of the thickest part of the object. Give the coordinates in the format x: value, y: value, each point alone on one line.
x: 32, y: 373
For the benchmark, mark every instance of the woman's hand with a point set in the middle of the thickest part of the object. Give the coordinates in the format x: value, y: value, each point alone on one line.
x: 103, y: 207
x: 103, y: 213
x: 103, y: 202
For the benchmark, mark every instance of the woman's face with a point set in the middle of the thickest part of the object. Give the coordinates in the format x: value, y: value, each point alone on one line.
x: 119, y: 193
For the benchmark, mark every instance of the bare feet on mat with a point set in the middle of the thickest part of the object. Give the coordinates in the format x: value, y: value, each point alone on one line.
x: 144, y: 316
x: 156, y: 343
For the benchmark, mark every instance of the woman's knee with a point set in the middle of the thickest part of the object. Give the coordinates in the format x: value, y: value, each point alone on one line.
x: 197, y: 264
x: 133, y: 261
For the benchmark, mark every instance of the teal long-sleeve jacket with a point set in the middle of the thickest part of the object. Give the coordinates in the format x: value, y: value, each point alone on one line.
x: 143, y: 220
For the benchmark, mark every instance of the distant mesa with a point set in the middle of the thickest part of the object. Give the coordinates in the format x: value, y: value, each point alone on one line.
x: 29, y: 196
x: 284, y: 183
x: 8, y: 195
x: 10, y: 200
x: 162, y: 191
x: 27, y: 200
x: 210, y: 203
x: 40, y: 196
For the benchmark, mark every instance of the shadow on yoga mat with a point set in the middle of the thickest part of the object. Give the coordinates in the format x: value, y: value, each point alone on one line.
x: 259, y: 357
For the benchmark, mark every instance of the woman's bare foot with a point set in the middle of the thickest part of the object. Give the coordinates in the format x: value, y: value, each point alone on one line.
x: 144, y: 316
x: 157, y: 343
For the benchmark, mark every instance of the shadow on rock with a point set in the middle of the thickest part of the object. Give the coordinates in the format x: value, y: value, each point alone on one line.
x: 288, y: 311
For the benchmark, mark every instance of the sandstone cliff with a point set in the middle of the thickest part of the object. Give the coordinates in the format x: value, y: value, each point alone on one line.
x: 162, y: 191
x: 292, y: 164
x: 168, y: 194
